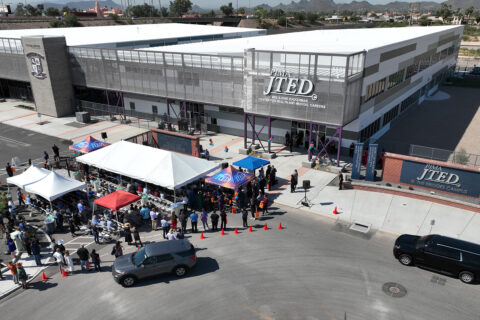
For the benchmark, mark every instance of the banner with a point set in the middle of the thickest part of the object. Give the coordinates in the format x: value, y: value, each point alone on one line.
x: 357, y: 160
x: 371, y: 162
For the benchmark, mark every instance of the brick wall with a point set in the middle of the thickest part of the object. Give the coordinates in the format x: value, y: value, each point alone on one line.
x: 392, y: 169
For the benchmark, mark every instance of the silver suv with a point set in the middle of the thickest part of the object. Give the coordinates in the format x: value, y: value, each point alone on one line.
x: 176, y: 256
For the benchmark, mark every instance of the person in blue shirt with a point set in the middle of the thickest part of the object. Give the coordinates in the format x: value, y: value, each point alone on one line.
x: 194, y: 220
x: 145, y: 213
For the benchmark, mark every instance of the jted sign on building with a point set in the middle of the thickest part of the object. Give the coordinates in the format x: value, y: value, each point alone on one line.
x: 441, y: 178
x: 283, y: 84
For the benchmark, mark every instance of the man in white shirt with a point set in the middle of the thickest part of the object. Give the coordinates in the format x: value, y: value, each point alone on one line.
x: 171, y: 235
x: 165, y: 227
x: 60, y: 260
x: 153, y: 217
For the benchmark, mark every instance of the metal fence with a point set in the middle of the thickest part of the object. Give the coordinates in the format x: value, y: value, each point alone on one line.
x: 458, y: 157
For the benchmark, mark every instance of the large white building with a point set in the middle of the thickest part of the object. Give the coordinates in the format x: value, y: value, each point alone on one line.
x: 342, y: 85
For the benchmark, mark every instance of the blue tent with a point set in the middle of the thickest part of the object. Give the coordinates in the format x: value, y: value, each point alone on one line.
x: 251, y: 163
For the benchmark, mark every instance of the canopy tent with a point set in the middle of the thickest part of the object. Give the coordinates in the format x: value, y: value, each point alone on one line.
x: 251, y: 163
x: 117, y: 200
x: 31, y: 175
x: 230, y: 178
x: 88, y: 145
x: 160, y: 167
x: 54, y: 186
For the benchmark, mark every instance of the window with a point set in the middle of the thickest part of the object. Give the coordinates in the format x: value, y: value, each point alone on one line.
x: 395, y: 78
x: 390, y: 115
x: 411, y: 71
x: 132, y: 105
x: 187, y: 253
x: 440, y: 250
x: 154, y: 109
x: 164, y: 257
x: 374, y: 89
x: 370, y: 130
x: 424, y: 63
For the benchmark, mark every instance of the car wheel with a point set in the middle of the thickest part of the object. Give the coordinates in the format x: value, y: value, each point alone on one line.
x: 466, y: 277
x: 405, y: 259
x: 128, y: 281
x: 180, y: 271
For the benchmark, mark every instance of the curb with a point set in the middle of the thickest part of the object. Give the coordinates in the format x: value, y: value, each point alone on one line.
x: 4, y: 294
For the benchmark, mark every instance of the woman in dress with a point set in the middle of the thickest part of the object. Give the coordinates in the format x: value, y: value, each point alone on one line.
x: 174, y: 222
x: 68, y: 262
x: 128, y: 234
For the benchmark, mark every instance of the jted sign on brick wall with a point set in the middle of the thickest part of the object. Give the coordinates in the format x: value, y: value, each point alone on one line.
x: 441, y: 178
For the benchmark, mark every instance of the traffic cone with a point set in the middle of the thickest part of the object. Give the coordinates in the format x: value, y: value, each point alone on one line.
x: 265, y: 227
x: 236, y: 231
x: 202, y: 236
x: 280, y: 226
x: 250, y: 229
x: 222, y: 233
x: 64, y: 274
x: 44, y: 276
x: 335, y: 211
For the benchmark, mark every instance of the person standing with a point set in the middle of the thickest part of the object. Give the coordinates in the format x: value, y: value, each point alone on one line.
x: 214, y: 217
x: 60, y: 260
x: 69, y: 262
x: 13, y: 271
x: 117, y: 249
x: 165, y: 227
x: 204, y: 218
x: 20, y: 196
x: 22, y: 275
x: 173, y: 221
x: 340, y: 181
x: 223, y: 220
x: 194, y: 221
x: 253, y: 207
x: 153, y: 217
x: 294, y: 181
x: 95, y: 260
x: 9, y: 170
x: 95, y: 233
x: 35, y: 247
x: 71, y: 225
x: 11, y: 245
x: 264, y: 204
x: 56, y: 153
x: 128, y: 234
x: 183, y: 220
x: 136, y: 237
x: 245, y: 217
x: 83, y: 253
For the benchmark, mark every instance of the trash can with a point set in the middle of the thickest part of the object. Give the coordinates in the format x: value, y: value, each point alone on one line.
x: 49, y: 224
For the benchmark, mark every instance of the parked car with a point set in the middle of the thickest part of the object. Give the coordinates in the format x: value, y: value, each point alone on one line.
x: 446, y: 255
x: 176, y: 256
x: 475, y: 71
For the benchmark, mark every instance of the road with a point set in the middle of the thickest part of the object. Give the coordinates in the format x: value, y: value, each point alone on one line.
x: 25, y: 144
x: 312, y: 269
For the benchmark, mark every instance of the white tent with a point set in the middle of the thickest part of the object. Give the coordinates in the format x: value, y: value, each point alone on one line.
x: 160, y: 167
x: 54, y: 186
x: 31, y: 175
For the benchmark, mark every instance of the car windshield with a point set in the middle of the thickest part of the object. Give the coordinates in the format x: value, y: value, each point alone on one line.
x: 139, y: 257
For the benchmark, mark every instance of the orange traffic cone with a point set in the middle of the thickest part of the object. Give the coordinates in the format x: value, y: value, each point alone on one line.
x: 44, y: 276
x: 222, y: 233
x: 64, y: 274
x: 250, y: 229
x: 236, y: 231
x: 265, y: 227
x: 280, y: 226
x: 335, y: 211
x: 202, y: 236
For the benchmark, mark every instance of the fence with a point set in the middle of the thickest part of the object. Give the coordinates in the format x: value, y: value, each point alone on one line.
x: 459, y: 157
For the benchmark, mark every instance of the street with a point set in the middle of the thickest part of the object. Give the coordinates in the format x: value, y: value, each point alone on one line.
x: 312, y: 269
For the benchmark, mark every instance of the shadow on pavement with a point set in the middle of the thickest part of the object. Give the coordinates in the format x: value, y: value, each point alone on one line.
x: 204, y: 265
x: 42, y: 286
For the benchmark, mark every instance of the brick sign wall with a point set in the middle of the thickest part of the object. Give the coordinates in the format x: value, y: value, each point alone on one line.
x: 432, y: 175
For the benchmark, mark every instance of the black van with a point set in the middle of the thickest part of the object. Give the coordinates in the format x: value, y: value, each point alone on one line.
x: 443, y: 254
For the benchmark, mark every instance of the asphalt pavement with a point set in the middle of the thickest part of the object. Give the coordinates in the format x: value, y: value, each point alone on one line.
x: 312, y: 269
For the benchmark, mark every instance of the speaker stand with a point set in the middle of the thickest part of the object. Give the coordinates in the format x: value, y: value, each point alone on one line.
x: 305, y: 201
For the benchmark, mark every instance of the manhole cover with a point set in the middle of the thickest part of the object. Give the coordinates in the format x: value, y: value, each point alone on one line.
x: 395, y: 290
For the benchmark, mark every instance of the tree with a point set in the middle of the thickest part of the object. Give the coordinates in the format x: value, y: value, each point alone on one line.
x: 20, y: 10
x: 164, y: 12
x: 180, y: 7
x: 227, y: 10
x: 299, y: 16
x: 424, y: 21
x: 282, y: 21
x: 52, y: 12
x: 66, y: 9
x: 143, y: 10
x: 31, y: 11
x: 209, y: 14
x: 241, y: 11
x: 275, y: 14
x: 55, y: 23
x: 70, y: 20
x: 445, y: 11
x: 312, y: 17
x: 40, y: 9
x: 114, y: 17
x: 259, y: 13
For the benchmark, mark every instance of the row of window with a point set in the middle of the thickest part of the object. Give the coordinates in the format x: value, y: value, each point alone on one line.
x: 390, y: 115
x: 398, y: 77
x: 154, y: 108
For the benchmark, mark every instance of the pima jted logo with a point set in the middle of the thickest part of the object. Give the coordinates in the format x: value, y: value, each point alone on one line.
x: 282, y: 83
x: 436, y: 174
x: 36, y: 65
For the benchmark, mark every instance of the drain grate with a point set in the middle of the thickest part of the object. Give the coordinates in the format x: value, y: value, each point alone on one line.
x: 438, y: 280
x: 395, y: 290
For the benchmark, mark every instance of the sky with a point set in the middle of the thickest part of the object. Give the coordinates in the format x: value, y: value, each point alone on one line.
x: 214, y: 4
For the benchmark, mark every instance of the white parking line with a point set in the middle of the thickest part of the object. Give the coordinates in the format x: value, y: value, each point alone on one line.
x: 20, y: 143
